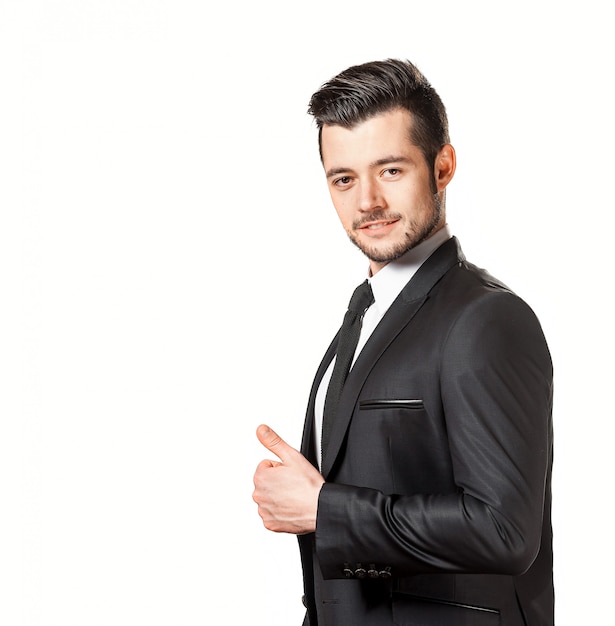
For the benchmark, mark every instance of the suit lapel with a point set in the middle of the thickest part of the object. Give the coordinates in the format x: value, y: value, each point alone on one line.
x: 399, y: 315
x: 308, y: 447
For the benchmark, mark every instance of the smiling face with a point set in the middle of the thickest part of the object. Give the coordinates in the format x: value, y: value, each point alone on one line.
x: 386, y: 195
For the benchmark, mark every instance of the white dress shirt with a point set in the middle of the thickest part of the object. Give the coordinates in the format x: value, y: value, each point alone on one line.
x: 386, y: 286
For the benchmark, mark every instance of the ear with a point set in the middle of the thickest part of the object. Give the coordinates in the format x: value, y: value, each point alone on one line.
x: 444, y: 166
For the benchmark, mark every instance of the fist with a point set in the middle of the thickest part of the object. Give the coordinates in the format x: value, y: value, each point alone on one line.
x: 286, y: 490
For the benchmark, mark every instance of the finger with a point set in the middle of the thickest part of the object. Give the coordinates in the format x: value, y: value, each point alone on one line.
x: 273, y: 442
x: 266, y: 464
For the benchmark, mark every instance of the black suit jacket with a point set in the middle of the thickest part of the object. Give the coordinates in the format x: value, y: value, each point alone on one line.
x: 436, y: 506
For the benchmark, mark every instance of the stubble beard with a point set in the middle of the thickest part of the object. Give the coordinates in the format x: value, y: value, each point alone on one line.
x: 415, y: 234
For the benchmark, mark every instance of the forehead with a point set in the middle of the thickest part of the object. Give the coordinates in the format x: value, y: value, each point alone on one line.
x: 383, y: 134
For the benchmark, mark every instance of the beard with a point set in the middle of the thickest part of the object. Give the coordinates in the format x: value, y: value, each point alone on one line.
x: 415, y: 234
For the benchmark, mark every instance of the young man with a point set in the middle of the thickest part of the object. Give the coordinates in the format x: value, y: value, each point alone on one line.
x: 421, y: 495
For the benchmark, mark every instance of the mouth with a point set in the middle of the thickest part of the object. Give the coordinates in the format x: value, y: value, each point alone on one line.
x: 376, y: 225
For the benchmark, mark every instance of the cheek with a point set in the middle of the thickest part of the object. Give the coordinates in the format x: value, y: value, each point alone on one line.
x: 411, y: 203
x: 344, y: 211
x: 402, y: 194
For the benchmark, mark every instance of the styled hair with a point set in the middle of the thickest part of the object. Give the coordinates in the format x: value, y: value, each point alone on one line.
x: 363, y: 91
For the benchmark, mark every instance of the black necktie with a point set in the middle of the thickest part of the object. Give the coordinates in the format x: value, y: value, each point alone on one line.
x: 361, y: 299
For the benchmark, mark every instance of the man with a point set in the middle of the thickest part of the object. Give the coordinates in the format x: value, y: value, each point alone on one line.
x: 427, y: 500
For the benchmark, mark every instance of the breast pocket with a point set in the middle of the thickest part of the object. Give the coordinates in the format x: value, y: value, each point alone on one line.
x: 403, y: 436
x: 400, y: 403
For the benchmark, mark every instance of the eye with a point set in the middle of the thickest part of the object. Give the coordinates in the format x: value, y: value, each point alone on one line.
x: 342, y: 181
x: 391, y: 171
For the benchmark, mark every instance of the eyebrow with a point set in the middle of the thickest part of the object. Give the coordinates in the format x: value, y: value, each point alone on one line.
x: 387, y: 160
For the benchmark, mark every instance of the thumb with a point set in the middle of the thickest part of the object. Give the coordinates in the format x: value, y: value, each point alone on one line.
x: 273, y: 442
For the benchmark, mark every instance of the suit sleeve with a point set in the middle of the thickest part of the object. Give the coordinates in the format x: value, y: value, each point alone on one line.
x: 496, y: 395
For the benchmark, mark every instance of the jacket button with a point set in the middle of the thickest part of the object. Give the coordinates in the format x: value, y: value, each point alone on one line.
x: 385, y: 573
x: 372, y: 572
x: 360, y: 572
x: 348, y: 573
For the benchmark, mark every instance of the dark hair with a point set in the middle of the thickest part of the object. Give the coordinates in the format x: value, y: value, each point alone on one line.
x: 362, y: 91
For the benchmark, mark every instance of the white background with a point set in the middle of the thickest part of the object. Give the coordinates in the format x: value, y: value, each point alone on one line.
x: 171, y: 271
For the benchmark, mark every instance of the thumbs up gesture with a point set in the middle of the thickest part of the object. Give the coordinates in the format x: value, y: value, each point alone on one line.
x: 286, y: 491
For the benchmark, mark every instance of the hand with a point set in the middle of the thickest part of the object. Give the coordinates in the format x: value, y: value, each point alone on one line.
x: 286, y: 491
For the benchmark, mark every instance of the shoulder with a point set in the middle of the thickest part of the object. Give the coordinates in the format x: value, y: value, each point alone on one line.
x: 469, y: 290
x: 487, y: 318
x: 470, y: 300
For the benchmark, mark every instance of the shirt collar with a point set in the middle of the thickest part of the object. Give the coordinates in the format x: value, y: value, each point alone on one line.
x: 394, y: 276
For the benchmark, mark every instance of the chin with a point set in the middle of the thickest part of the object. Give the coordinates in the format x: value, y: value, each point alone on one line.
x: 384, y: 254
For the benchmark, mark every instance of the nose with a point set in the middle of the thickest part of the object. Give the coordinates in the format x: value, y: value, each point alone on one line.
x: 370, y: 196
